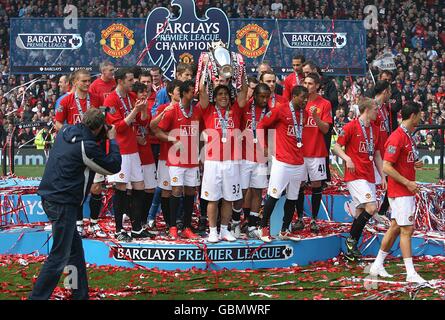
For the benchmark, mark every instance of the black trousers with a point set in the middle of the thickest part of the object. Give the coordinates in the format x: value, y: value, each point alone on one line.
x: 327, y: 140
x: 67, y: 250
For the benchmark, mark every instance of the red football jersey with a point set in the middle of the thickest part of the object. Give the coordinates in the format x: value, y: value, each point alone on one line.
x: 151, y: 99
x: 68, y: 111
x: 102, y: 88
x: 145, y: 153
x: 313, y: 138
x: 352, y: 138
x: 380, y: 123
x: 215, y: 148
x: 290, y: 82
x: 280, y: 119
x: 187, y: 131
x: 125, y: 134
x: 253, y: 151
x: 399, y: 152
x: 163, y: 145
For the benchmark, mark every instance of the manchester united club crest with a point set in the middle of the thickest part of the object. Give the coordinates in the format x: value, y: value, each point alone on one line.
x: 117, y: 40
x: 186, y: 58
x: 252, y: 40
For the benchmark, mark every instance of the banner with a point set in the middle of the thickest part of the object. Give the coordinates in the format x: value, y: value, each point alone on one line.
x: 43, y: 45
x: 27, y: 157
x: 385, y: 61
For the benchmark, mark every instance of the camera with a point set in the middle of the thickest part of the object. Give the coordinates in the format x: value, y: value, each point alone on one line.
x: 103, y: 135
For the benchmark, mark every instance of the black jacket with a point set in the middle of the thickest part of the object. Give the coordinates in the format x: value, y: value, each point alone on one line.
x: 72, y: 163
x: 330, y: 93
x: 396, y: 106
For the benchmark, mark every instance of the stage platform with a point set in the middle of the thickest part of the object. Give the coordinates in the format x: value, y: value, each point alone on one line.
x: 29, y: 232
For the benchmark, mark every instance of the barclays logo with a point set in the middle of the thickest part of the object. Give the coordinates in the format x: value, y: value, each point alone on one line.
x: 48, y: 41
x: 314, y: 40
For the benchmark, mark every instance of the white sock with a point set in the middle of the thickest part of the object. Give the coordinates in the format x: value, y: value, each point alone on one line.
x: 213, y: 230
x: 380, y: 258
x: 251, y: 228
x: 224, y: 228
x: 79, y: 222
x: 254, y: 214
x: 93, y: 221
x: 409, y: 266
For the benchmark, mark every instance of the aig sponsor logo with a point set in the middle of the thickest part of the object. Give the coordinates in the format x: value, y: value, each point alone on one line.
x: 188, y: 130
x: 230, y: 124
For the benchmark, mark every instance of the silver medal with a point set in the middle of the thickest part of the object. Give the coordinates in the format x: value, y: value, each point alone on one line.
x: 255, y: 140
x: 299, y: 144
x: 371, y: 158
x: 223, y: 139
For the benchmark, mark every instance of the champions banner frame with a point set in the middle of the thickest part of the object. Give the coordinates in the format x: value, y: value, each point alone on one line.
x: 43, y: 45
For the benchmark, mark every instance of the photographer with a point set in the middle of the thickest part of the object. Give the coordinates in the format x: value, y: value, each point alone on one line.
x: 69, y: 173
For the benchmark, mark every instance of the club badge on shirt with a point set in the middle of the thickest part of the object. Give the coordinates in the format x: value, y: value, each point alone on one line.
x: 391, y: 149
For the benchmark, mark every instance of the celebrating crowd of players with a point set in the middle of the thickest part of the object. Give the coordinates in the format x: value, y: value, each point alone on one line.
x: 179, y: 148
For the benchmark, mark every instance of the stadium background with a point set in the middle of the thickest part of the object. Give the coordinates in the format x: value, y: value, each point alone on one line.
x: 414, y: 31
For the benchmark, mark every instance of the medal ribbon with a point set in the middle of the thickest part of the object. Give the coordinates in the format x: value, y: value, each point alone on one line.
x: 181, y: 106
x: 370, y: 142
x: 127, y: 110
x: 224, y: 121
x: 413, y: 145
x: 298, y: 127
x: 253, y: 112
x: 79, y: 107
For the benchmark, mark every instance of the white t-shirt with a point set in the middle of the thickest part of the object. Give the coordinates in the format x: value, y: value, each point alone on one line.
x: 431, y: 54
x: 276, y: 6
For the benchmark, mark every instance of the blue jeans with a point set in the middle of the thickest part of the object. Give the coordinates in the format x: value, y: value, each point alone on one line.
x: 66, y: 250
x: 155, y: 205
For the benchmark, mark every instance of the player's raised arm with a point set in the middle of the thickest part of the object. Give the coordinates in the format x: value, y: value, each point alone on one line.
x: 203, y: 94
x: 242, y: 95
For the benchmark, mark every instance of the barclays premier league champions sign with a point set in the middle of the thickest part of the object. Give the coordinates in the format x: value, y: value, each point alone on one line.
x: 167, y: 37
x: 183, y: 38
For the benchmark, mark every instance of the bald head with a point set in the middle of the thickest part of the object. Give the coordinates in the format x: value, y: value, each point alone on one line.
x: 63, y: 84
